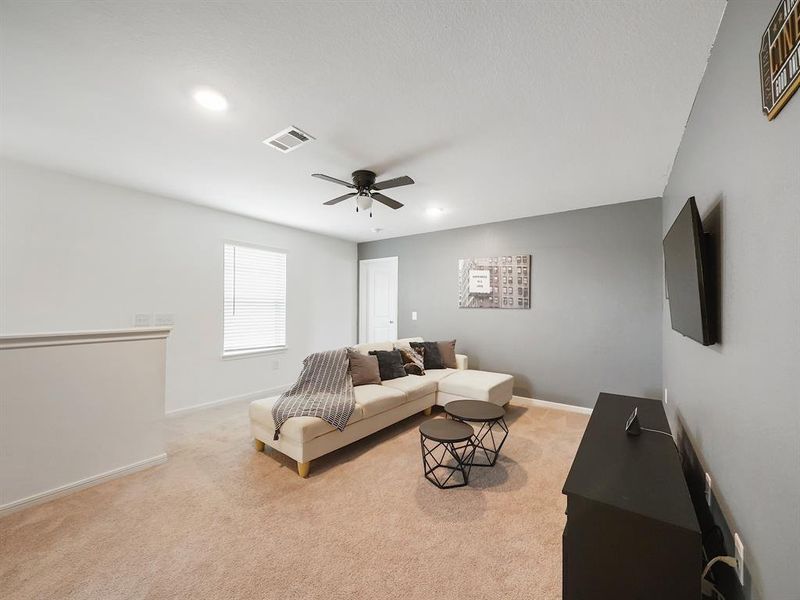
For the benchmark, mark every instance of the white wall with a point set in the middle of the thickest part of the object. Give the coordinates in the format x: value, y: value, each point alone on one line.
x: 77, y: 254
x: 97, y: 414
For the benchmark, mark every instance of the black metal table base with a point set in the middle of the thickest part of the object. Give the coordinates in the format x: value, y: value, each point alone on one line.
x: 446, y: 461
x: 487, y: 442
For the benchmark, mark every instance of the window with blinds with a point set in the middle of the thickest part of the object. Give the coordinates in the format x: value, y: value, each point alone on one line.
x: 255, y: 300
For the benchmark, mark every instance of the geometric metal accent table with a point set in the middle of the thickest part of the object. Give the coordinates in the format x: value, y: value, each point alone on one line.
x: 493, y: 431
x: 447, y: 452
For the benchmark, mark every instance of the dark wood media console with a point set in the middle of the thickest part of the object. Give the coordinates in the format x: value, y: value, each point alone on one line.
x: 631, y: 533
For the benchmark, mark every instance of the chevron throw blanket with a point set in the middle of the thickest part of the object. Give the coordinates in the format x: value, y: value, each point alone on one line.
x: 324, y: 390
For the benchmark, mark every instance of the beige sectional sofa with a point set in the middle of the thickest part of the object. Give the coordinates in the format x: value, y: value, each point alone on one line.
x: 377, y: 406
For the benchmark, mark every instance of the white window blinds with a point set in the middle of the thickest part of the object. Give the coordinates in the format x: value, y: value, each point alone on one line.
x: 255, y: 299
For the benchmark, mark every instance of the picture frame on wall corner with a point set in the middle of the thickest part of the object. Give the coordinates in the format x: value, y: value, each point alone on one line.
x: 779, y: 58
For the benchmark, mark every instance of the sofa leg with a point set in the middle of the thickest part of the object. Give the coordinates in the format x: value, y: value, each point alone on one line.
x: 303, y: 468
x: 259, y: 445
x: 428, y: 411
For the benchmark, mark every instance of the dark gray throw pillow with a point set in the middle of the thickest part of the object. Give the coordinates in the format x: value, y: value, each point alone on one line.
x: 363, y: 369
x: 390, y: 364
x: 432, y: 356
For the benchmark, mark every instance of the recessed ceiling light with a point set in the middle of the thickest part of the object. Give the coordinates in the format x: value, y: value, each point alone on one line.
x: 435, y: 211
x: 210, y: 99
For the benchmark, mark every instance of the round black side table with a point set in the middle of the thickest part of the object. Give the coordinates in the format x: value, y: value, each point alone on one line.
x: 493, y: 431
x: 447, y: 450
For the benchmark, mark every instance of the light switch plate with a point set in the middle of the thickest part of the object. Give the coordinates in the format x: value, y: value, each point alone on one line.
x: 413, y: 315
x: 163, y: 319
x: 142, y: 320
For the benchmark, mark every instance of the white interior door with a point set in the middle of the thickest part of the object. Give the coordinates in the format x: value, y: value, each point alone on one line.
x: 377, y: 283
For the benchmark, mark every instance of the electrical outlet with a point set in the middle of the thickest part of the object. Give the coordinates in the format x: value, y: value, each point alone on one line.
x: 275, y: 364
x: 666, y: 400
x: 142, y: 320
x: 413, y: 315
x: 739, y: 547
x: 708, y: 489
x: 162, y: 319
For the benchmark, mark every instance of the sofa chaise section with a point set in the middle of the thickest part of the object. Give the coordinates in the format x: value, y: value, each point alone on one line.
x: 496, y: 388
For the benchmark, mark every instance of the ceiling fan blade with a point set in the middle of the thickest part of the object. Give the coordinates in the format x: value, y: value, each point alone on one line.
x: 333, y: 180
x: 393, y: 183
x: 386, y: 200
x: 339, y: 199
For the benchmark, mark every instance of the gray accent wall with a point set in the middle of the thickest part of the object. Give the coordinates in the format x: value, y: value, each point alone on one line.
x: 595, y: 321
x: 737, y: 403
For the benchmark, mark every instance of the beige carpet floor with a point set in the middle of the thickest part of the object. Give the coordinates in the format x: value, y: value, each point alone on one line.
x: 222, y: 521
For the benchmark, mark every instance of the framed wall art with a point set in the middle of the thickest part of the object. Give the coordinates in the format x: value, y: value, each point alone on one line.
x: 779, y: 57
x: 495, y: 282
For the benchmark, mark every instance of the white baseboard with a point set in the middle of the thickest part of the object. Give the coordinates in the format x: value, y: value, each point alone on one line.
x: 240, y: 398
x: 547, y: 404
x: 48, y: 495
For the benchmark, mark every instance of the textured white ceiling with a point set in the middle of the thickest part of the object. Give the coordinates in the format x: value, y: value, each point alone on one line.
x: 497, y: 110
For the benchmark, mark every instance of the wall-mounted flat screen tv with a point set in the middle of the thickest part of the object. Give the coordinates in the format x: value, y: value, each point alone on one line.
x: 688, y: 277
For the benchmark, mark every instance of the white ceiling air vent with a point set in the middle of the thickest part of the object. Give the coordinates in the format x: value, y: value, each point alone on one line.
x: 288, y: 139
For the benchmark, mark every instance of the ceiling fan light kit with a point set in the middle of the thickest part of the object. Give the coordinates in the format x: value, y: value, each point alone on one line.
x: 367, y: 190
x: 364, y: 202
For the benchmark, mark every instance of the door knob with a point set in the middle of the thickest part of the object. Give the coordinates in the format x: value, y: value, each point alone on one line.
x: 391, y: 322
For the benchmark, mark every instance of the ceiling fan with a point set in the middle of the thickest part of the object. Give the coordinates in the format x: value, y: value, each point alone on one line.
x: 366, y: 190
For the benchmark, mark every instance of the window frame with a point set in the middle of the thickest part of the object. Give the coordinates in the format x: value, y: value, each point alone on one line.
x: 238, y: 354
